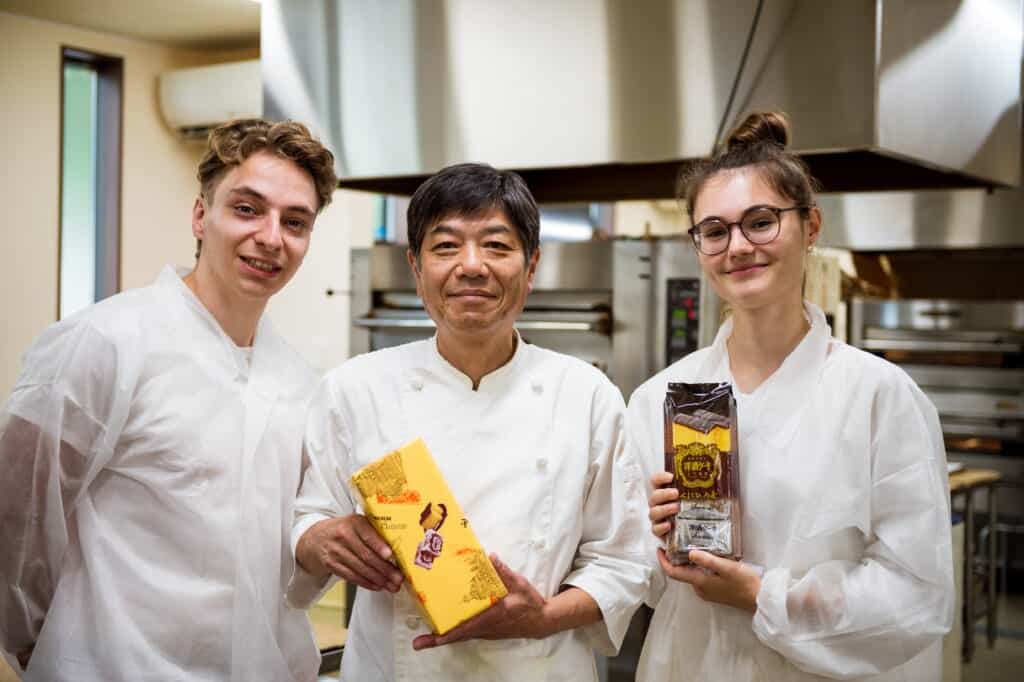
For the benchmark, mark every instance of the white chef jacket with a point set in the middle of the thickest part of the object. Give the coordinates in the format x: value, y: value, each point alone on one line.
x: 845, y: 504
x: 535, y: 458
x: 155, y: 544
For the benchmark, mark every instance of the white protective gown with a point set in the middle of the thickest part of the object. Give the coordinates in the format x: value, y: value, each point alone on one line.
x: 845, y: 504
x: 536, y: 459
x: 154, y: 543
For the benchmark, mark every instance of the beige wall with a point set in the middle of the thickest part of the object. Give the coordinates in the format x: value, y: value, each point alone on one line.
x: 158, y: 170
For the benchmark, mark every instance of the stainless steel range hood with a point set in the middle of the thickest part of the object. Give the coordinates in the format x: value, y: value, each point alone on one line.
x: 603, y: 100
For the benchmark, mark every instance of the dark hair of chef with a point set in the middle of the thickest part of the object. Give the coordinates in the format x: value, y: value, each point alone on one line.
x: 759, y: 141
x: 472, y: 190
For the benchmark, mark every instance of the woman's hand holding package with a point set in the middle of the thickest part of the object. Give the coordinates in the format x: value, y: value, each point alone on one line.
x: 716, y: 579
x: 663, y: 504
x: 351, y: 549
x: 713, y: 578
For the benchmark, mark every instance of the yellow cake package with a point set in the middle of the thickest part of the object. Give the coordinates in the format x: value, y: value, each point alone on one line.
x: 408, y: 502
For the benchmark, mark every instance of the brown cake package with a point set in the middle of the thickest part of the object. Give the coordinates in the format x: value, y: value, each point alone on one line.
x: 701, y: 451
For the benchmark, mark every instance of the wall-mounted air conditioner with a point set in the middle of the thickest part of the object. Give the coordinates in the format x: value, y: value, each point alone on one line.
x: 194, y: 101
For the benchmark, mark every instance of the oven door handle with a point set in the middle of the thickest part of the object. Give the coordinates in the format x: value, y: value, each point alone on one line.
x: 562, y: 326
x: 522, y: 325
x: 993, y: 346
x: 394, y: 323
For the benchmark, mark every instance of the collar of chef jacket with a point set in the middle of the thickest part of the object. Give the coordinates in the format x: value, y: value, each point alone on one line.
x: 495, y: 380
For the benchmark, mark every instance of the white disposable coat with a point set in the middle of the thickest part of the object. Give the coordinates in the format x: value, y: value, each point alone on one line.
x: 148, y: 495
x: 845, y: 504
x: 536, y: 459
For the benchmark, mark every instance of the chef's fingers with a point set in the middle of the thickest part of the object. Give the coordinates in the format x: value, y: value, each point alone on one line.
x: 471, y: 628
x: 660, y: 530
x: 660, y: 512
x: 350, y: 576
x: 424, y: 642
x: 363, y: 541
x: 476, y: 626
x: 661, y: 478
x: 366, y: 566
x: 663, y: 495
x: 717, y: 564
x: 371, y: 538
x: 682, y: 573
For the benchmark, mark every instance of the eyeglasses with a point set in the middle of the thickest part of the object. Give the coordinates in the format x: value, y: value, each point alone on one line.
x: 759, y: 225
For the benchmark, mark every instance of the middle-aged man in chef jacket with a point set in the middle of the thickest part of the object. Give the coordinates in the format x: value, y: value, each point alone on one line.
x: 151, y: 450
x: 529, y: 440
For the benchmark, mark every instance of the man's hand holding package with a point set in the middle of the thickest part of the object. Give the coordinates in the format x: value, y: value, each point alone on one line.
x: 351, y: 549
x: 523, y: 613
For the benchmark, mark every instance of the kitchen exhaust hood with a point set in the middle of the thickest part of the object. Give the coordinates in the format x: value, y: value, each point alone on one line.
x: 597, y: 100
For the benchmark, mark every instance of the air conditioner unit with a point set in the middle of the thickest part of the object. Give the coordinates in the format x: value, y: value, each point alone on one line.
x: 194, y: 101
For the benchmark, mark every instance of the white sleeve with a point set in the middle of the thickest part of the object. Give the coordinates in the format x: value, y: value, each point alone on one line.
x: 609, y: 564
x: 324, y: 493
x: 57, y: 431
x: 849, y: 619
x: 646, y: 441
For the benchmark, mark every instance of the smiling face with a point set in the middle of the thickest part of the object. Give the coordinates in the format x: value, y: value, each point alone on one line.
x: 255, y: 228
x: 473, y: 276
x: 746, y: 275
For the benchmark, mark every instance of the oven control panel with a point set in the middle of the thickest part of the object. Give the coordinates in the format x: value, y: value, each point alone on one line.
x: 683, y: 317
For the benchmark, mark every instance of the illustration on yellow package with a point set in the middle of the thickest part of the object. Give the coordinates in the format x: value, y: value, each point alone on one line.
x: 408, y: 502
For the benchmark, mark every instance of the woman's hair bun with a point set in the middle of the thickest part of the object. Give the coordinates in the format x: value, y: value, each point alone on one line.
x: 763, y: 127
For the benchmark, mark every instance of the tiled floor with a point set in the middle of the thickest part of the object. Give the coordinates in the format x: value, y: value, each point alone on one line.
x: 1005, y: 661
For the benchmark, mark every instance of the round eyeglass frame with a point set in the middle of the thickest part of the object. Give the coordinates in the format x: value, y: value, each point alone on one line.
x: 694, y: 231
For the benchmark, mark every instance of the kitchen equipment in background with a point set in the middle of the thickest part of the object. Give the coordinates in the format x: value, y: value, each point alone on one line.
x: 968, y: 358
x: 628, y: 307
x: 615, y: 97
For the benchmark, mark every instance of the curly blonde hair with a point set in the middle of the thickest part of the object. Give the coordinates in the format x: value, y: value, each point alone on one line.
x: 229, y: 145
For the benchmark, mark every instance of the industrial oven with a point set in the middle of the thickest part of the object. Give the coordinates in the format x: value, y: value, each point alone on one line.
x: 968, y: 358
x: 628, y: 307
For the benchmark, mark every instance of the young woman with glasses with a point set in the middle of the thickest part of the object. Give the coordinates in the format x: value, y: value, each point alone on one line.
x: 847, y: 569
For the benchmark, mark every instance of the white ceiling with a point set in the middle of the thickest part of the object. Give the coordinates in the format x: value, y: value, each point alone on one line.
x: 181, y: 23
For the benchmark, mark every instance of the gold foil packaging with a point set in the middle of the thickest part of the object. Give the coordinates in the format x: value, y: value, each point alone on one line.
x: 701, y: 451
x: 409, y: 504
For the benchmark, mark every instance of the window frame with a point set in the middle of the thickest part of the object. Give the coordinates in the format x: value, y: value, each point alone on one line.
x: 109, y: 130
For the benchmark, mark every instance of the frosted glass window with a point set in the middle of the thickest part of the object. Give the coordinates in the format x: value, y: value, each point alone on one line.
x: 78, y: 190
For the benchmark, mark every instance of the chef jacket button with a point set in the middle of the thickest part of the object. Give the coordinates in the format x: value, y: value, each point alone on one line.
x: 412, y: 622
x: 542, y: 464
x: 241, y: 379
x: 417, y: 384
x: 538, y: 387
x: 539, y: 544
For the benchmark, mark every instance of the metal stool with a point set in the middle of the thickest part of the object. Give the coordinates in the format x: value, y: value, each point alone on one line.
x: 1004, y: 527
